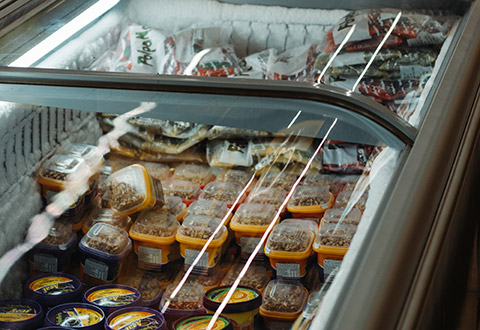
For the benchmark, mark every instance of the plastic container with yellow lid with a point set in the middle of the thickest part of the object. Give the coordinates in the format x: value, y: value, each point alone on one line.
x: 132, y: 189
x: 209, y: 208
x: 237, y: 176
x: 289, y: 246
x: 266, y: 195
x: 241, y: 308
x: 334, y: 215
x: 224, y: 191
x: 256, y: 277
x: 192, y: 236
x: 197, y: 173
x: 275, y: 179
x: 250, y: 223
x: 331, y: 245
x: 153, y: 235
x: 102, y: 215
x: 187, y: 301
x: 282, y: 303
x: 186, y: 190
x: 344, y: 197
x: 310, y: 201
x: 201, y: 322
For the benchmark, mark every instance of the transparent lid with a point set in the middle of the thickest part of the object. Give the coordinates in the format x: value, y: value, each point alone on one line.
x: 306, y: 223
x: 240, y: 177
x: 256, y: 276
x: 290, y: 237
x: 127, y: 188
x: 158, y: 171
x: 156, y: 224
x: 202, y: 227
x: 211, y: 279
x: 148, y: 283
x: 174, y: 204
x: 186, y: 190
x: 274, y: 179
x: 108, y: 216
x: 318, y: 195
x: 222, y: 191
x: 89, y: 153
x: 332, y: 234
x: 60, y: 234
x: 284, y: 297
x: 189, y: 297
x: 59, y: 167
x: 344, y: 197
x: 107, y: 239
x: 334, y: 215
x: 265, y: 195
x: 254, y: 214
x: 209, y: 208
x: 201, y: 174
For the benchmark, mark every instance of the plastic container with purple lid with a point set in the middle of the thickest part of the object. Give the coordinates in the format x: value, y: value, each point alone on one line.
x: 53, y: 289
x: 22, y: 314
x: 76, y: 315
x: 112, y: 297
x: 7, y: 327
x: 135, y: 318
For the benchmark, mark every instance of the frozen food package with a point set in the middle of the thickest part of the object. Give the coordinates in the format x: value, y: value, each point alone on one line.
x: 342, y: 157
x: 197, y: 173
x: 188, y: 191
x: 209, y: 208
x: 224, y: 191
x: 224, y: 132
x: 218, y: 58
x: 235, y: 175
x: 223, y: 153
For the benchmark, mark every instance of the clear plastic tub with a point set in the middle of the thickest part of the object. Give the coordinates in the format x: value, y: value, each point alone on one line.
x: 282, y: 303
x: 23, y: 314
x: 237, y: 176
x: 202, y: 322
x: 103, y: 250
x: 186, y: 190
x: 208, y: 281
x: 188, y: 301
x: 310, y: 201
x: 136, y: 318
x: 153, y: 235
x: 106, y: 216
x: 334, y: 182
x: 201, y: 174
x: 112, y: 297
x: 288, y: 247
x: 334, y: 215
x: 76, y: 315
x: 158, y: 171
x: 175, y: 206
x: 274, y: 179
x: 344, y: 197
x: 53, y: 289
x: 194, y: 233
x: 250, y: 223
x: 242, y: 308
x: 224, y: 191
x: 265, y: 195
x: 208, y: 208
x: 132, y: 189
x: 53, y: 254
x: 256, y: 276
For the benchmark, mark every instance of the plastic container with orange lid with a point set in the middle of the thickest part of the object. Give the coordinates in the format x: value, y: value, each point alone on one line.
x: 237, y: 176
x: 57, y: 172
x: 192, y: 236
x: 101, y: 215
x: 282, y: 303
x: 310, y: 201
x: 132, y: 189
x: 209, y: 208
x: 334, y: 215
x: 208, y: 281
x: 289, y: 246
x: 344, y: 197
x: 197, y: 173
x: 103, y: 251
x: 188, y: 301
x: 276, y: 179
x: 256, y: 277
x: 224, y: 191
x: 266, y: 195
x: 331, y: 245
x: 158, y: 171
x: 153, y: 235
x: 186, y: 190
x: 250, y: 223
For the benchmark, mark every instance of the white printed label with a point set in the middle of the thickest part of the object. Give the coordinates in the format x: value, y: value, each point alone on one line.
x: 191, y: 255
x: 45, y: 263
x: 413, y: 71
x: 330, y: 266
x: 150, y: 255
x: 236, y: 153
x: 339, y: 155
x: 96, y: 269
x: 288, y: 270
x: 248, y: 244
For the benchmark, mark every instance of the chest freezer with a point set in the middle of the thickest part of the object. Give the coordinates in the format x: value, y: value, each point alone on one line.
x: 406, y: 175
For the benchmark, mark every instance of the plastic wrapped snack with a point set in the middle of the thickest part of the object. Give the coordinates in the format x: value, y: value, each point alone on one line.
x: 103, y: 249
x: 54, y: 252
x: 188, y: 191
x: 334, y: 215
x: 256, y: 276
x: 158, y: 171
x: 132, y: 189
x: 289, y: 246
x: 209, y: 208
x: 274, y: 179
x: 189, y: 300
x: 194, y: 233
x: 237, y: 176
x: 224, y: 132
x: 223, y: 153
x: 282, y: 303
x: 264, y: 195
x: 344, y: 198
x: 106, y: 216
x: 153, y: 235
x: 174, y: 129
x: 200, y: 174
x: 310, y: 201
x: 223, y: 191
